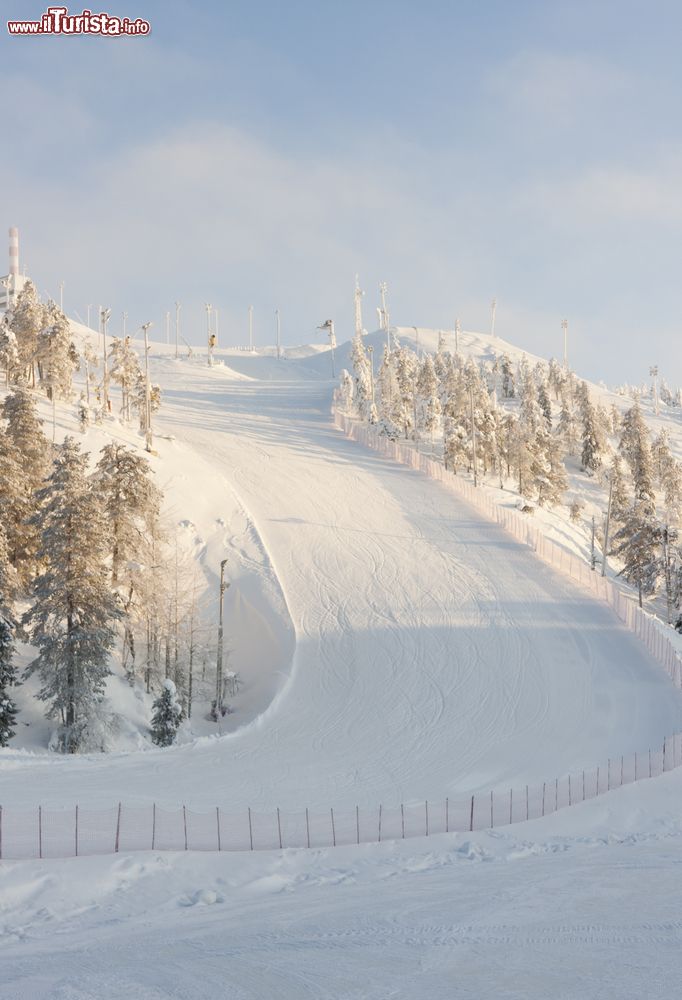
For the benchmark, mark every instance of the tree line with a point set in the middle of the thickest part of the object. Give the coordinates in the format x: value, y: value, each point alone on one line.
x: 515, y: 426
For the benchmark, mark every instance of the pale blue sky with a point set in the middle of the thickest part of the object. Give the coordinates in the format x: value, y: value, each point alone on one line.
x: 263, y: 153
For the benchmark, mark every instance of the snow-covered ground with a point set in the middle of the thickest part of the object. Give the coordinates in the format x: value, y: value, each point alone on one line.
x: 433, y: 655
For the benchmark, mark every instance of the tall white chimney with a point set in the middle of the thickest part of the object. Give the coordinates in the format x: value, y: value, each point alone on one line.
x: 14, y: 251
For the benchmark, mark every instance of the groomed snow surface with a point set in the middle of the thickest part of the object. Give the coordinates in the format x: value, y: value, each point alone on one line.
x: 433, y: 656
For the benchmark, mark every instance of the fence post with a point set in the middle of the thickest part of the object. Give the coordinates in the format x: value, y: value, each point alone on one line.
x: 76, y: 829
x: 184, y: 823
x: 40, y: 831
x: 279, y: 829
x: 118, y: 829
x: 153, y: 825
x: 380, y: 822
x: 217, y: 821
x: 334, y: 829
x: 307, y: 826
x: 471, y: 821
x: 250, y: 829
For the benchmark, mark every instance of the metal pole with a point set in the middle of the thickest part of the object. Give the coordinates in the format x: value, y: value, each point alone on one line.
x: 564, y: 327
x: 473, y: 435
x: 147, y: 392
x: 606, y: 528
x: 279, y: 347
x: 250, y: 328
x: 458, y: 330
x: 177, y: 327
x: 370, y: 351
x: 104, y: 319
x: 219, y: 663
x: 89, y: 308
x: 208, y: 332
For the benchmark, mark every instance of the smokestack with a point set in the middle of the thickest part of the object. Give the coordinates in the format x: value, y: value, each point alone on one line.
x: 14, y: 251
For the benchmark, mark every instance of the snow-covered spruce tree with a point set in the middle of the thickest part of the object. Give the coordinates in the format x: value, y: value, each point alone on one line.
x: 388, y: 397
x: 8, y: 625
x: 28, y: 319
x: 620, y: 503
x: 72, y: 619
x: 167, y: 715
x: 138, y: 397
x: 56, y: 354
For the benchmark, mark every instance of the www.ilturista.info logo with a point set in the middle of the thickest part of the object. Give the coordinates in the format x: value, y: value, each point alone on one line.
x: 58, y: 21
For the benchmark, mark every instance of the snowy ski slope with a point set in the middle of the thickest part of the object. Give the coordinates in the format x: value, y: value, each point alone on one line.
x: 434, y: 654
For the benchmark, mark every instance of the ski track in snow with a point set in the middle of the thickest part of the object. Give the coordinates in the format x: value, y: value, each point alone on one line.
x: 434, y: 654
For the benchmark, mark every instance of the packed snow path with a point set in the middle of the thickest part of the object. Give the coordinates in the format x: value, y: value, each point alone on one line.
x: 434, y: 655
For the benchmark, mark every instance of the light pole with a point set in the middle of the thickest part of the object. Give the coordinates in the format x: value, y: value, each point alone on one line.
x: 125, y: 322
x: 251, y: 328
x: 653, y: 371
x: 493, y: 310
x: 104, y: 315
x: 358, y: 307
x: 328, y: 325
x: 458, y: 330
x: 208, y: 333
x: 89, y: 307
x: 147, y: 392
x: 177, y: 327
x: 564, y: 327
x: 370, y: 351
x: 219, y: 662
x: 383, y: 288
x: 279, y: 335
x: 61, y: 296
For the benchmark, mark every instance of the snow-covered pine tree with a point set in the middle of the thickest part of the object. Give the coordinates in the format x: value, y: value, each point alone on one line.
x: 24, y: 430
x: 130, y: 501
x: 593, y: 442
x: 28, y: 319
x: 17, y: 505
x: 635, y: 447
x: 636, y: 543
x: 9, y: 352
x: 620, y: 503
x: 167, y: 715
x: 8, y: 625
x: 405, y: 373
x: 56, y: 354
x: 72, y: 619
x: 363, y: 377
x: 567, y: 427
x: 508, y: 389
x: 428, y: 403
x: 125, y: 371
